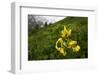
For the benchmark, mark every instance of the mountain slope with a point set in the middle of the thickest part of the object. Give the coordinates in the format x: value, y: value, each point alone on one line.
x: 41, y: 41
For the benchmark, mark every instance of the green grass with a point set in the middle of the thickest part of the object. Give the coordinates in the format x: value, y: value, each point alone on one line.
x: 41, y: 41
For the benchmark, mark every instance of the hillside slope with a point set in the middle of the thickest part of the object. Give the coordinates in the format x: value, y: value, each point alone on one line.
x: 41, y: 41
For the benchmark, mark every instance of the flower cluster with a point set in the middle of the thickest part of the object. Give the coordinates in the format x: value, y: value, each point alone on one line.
x: 64, y: 42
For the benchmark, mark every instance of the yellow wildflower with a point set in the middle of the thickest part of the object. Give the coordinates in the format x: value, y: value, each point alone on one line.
x: 61, y: 48
x: 72, y: 43
x: 65, y: 32
x: 62, y: 51
x: 64, y: 42
x: 76, y: 48
x: 59, y: 41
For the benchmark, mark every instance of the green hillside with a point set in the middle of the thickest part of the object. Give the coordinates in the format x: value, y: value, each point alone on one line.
x: 41, y: 41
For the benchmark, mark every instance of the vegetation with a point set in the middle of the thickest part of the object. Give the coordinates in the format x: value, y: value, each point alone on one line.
x: 42, y: 40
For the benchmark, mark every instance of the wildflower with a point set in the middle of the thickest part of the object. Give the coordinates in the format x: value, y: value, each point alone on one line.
x: 62, y: 51
x: 76, y: 48
x: 65, y: 32
x: 65, y: 42
x: 61, y: 48
x: 59, y: 41
x: 72, y: 43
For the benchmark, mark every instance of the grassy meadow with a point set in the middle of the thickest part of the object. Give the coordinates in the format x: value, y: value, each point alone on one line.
x: 42, y: 40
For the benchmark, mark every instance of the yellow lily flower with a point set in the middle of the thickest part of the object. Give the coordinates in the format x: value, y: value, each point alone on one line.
x: 76, y: 48
x: 62, y: 51
x: 71, y: 44
x: 64, y: 42
x: 61, y: 48
x: 59, y: 41
x: 65, y: 32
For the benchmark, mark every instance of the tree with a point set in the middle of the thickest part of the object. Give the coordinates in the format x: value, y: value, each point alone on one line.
x: 45, y: 24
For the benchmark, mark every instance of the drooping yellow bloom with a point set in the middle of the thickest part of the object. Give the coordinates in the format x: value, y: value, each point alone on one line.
x: 71, y: 44
x: 65, y: 32
x: 62, y: 51
x: 61, y: 48
x: 76, y: 48
x: 59, y: 41
x: 64, y: 42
